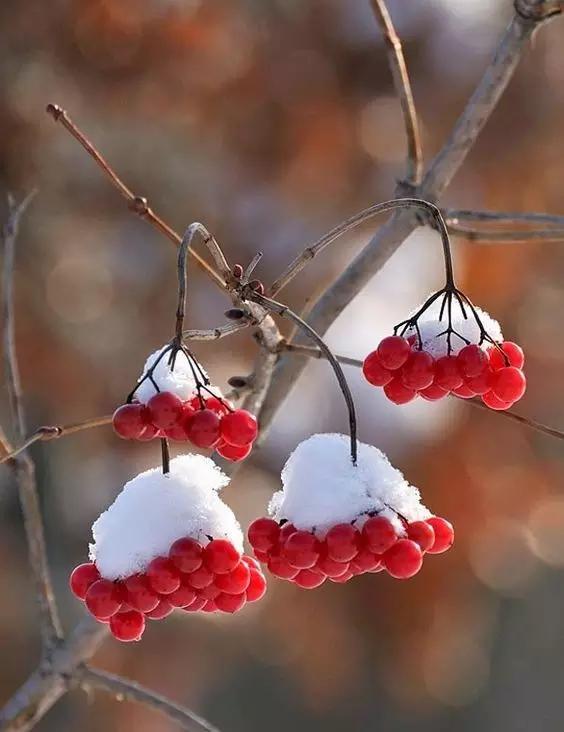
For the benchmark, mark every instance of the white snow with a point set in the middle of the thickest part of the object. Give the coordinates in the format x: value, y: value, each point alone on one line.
x: 430, y: 327
x: 154, y: 510
x: 180, y: 381
x: 321, y: 487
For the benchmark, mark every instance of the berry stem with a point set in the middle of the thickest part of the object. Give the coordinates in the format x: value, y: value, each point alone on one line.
x: 165, y: 453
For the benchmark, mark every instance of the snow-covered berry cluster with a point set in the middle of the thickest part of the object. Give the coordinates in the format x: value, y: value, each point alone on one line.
x: 171, y: 401
x: 167, y: 542
x: 432, y: 362
x: 334, y: 520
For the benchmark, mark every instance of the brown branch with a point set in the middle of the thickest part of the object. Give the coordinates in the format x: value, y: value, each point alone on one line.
x: 505, y: 236
x: 124, y: 689
x: 23, y: 467
x: 403, y: 90
x: 214, y: 334
x: 457, y: 216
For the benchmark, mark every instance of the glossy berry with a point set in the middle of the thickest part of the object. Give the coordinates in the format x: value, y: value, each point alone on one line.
x: 422, y: 533
x: 482, y: 383
x: 251, y: 562
x: 163, y: 576
x: 177, y: 431
x: 182, y: 597
x: 341, y: 579
x: 82, y: 577
x: 202, y: 428
x: 236, y: 581
x: 220, y: 556
x: 279, y: 567
x: 393, y: 352
x: 398, y: 393
x: 239, y: 428
x: 514, y: 354
x: 374, y: 372
x: 330, y: 567
x: 165, y: 409
x: 149, y: 433
x: 127, y: 626
x: 342, y: 542
x: 404, y: 559
x: 186, y: 554
x: 509, y: 384
x: 129, y: 421
x: 447, y: 373
x: 196, y: 605
x: 444, y: 535
x: 263, y: 534
x: 257, y: 586
x: 103, y: 599
x: 433, y: 393
x: 309, y: 579
x: 378, y: 534
x: 494, y: 402
x: 365, y: 561
x: 472, y: 360
x: 201, y: 577
x: 232, y: 452
x: 139, y: 594
x: 419, y: 371
x: 230, y: 603
x: 301, y: 550
x: 163, y: 609
x: 463, y: 392
x: 217, y: 406
x: 286, y: 530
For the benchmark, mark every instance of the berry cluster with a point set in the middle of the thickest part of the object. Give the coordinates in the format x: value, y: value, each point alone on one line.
x: 192, y: 578
x: 346, y: 551
x: 406, y: 371
x: 205, y: 422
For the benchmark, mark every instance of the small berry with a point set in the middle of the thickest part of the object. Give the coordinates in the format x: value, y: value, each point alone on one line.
x: 198, y: 604
x: 139, y: 594
x: 182, y: 597
x: 379, y: 534
x: 129, y: 421
x: 102, y: 599
x: 263, y: 534
x: 447, y: 373
x: 239, y: 428
x: 422, y: 533
x: 393, y: 352
x: 202, y: 428
x: 209, y: 607
x: 404, y: 559
x: 365, y: 561
x: 286, y: 530
x: 230, y: 603
x: 163, y: 576
x: 210, y: 592
x: 149, y: 433
x: 419, y: 371
x: 342, y: 542
x: 374, y: 372
x: 279, y: 567
x: 163, y: 609
x: 252, y: 562
x: 482, y: 383
x: 472, y: 360
x: 509, y: 384
x: 200, y: 578
x: 82, y: 577
x: 514, y: 354
x: 342, y: 578
x: 257, y: 586
x: 463, y: 392
x: 127, y: 626
x: 236, y: 581
x: 398, y: 393
x: 444, y: 535
x: 216, y: 405
x: 220, y: 556
x: 301, y: 550
x: 493, y: 402
x: 232, y: 452
x: 262, y: 556
x: 330, y: 567
x: 309, y: 579
x: 165, y: 409
x: 186, y: 554
x: 433, y: 393
x: 177, y: 431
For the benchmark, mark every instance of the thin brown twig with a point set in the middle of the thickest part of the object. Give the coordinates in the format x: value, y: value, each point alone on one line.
x: 214, y: 334
x: 403, y: 90
x: 505, y: 236
x: 458, y: 216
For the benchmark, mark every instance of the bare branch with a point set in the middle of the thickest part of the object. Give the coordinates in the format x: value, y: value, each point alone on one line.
x: 458, y: 216
x: 403, y: 90
x: 506, y: 236
x: 124, y: 689
x: 23, y: 467
x: 214, y: 334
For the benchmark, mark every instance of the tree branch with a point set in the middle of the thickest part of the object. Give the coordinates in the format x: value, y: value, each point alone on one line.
x: 505, y: 236
x: 457, y: 216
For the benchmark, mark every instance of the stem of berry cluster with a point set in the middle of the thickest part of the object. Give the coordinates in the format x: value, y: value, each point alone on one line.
x: 284, y: 311
x: 165, y: 453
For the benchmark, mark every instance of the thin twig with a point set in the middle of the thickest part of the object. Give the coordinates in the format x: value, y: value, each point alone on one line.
x: 462, y: 216
x: 505, y: 236
x: 23, y: 466
x: 403, y: 90
x: 125, y: 689
x: 214, y: 334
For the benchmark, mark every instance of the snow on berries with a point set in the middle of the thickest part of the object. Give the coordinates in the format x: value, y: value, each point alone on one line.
x: 173, y: 399
x: 167, y: 542
x: 334, y: 520
x: 448, y: 346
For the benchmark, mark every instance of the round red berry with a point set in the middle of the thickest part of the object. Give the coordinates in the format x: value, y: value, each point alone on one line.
x: 342, y: 542
x: 374, y: 372
x: 182, y: 597
x: 398, y: 393
x: 139, y: 594
x: 196, y: 605
x: 165, y: 409
x: 330, y: 567
x: 202, y: 428
x: 509, y: 384
x: 216, y: 405
x: 493, y: 402
x: 257, y: 586
x: 230, y: 603
x: 444, y: 535
x: 235, y: 581
x: 463, y: 392
x: 514, y: 353
x: 422, y: 533
x: 309, y: 579
x: 129, y: 421
x: 393, y: 352
x: 252, y: 562
x: 210, y: 592
x: 279, y: 567
x: 286, y: 530
x: 365, y: 561
x: 209, y: 607
x: 482, y: 383
x: 472, y: 360
x: 342, y: 578
x: 149, y: 433
x: 233, y: 453
x: 263, y: 534
x: 127, y: 626
x: 82, y: 577
x: 163, y: 609
x: 239, y: 428
x: 186, y: 554
x: 163, y: 576
x: 379, y: 534
x: 220, y: 556
x: 201, y: 577
x: 177, y: 431
x: 301, y: 550
x: 447, y: 373
x: 103, y: 599
x: 419, y: 371
x: 433, y: 393
x: 404, y: 559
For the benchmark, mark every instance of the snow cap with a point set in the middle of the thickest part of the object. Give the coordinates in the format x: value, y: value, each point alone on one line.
x: 321, y: 487
x: 180, y: 381
x: 154, y: 510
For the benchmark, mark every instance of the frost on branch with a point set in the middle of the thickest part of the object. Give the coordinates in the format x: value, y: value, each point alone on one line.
x: 154, y: 510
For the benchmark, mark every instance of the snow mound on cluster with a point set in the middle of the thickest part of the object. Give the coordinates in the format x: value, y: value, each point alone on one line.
x: 179, y: 381
x: 430, y: 327
x: 154, y: 510
x: 321, y: 487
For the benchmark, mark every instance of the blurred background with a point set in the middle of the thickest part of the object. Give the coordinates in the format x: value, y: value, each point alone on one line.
x: 270, y: 121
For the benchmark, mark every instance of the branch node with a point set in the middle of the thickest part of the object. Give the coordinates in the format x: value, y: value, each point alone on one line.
x: 139, y: 205
x: 537, y: 12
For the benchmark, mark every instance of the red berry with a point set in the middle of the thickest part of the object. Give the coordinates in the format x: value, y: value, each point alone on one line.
x: 209, y: 607
x: 309, y: 579
x: 186, y: 554
x: 342, y: 542
x: 103, y: 599
x: 127, y: 626
x: 374, y: 372
x: 404, y: 559
x: 163, y: 609
x: 342, y: 578
x: 165, y: 409
x: 433, y: 393
x: 210, y: 592
x: 230, y: 603
x: 263, y: 534
x: 252, y: 562
x: 379, y: 534
x: 236, y: 581
x: 301, y: 550
x: 482, y: 383
x: 472, y: 360
x: 422, y: 533
x: 447, y: 373
x: 365, y: 561
x: 463, y: 392
x: 220, y: 556
x: 393, y: 352
x: 262, y: 556
x: 444, y: 535
x: 182, y: 597
x: 509, y: 384
x: 330, y: 567
x: 216, y: 405
x: 163, y: 576
x: 139, y: 595
x: 257, y: 586
x: 286, y: 530
x: 177, y: 431
x: 279, y: 567
x: 514, y: 354
x: 149, y: 433
x: 398, y: 393
x: 201, y: 577
x: 198, y: 604
x: 202, y: 428
x: 239, y: 428
x: 129, y: 421
x: 233, y: 453
x: 419, y: 371
x: 493, y: 402
x: 82, y: 577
